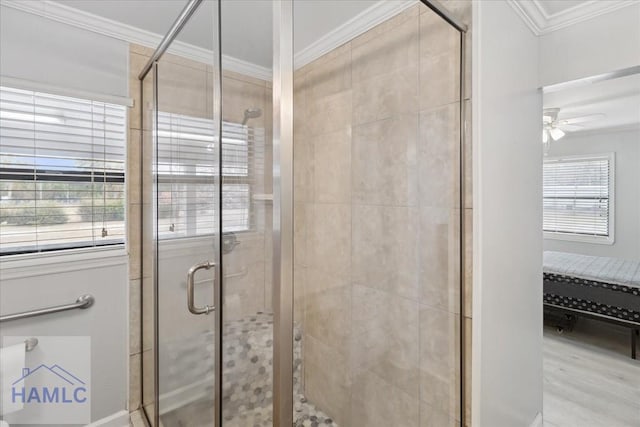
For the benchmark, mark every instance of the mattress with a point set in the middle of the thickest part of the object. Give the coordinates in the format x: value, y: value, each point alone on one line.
x: 604, y: 286
x: 602, y: 269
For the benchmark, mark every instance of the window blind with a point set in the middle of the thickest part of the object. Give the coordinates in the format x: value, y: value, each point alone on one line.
x: 188, y: 169
x: 576, y: 196
x: 61, y: 172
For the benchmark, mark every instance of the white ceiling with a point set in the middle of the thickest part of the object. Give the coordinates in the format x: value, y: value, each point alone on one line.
x: 246, y: 24
x: 617, y: 99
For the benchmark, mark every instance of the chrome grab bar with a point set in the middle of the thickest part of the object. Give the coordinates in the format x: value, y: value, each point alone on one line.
x: 83, y: 301
x: 190, y: 288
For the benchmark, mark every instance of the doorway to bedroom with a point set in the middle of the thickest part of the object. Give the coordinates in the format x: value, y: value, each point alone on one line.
x: 591, y: 262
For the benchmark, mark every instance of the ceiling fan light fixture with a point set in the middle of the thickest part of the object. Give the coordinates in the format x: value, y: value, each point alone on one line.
x: 556, y: 133
x: 545, y: 136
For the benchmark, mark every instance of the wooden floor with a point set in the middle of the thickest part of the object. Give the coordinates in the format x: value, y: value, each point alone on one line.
x: 590, y: 379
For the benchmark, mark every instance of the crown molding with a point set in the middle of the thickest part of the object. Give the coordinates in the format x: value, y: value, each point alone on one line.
x: 117, y: 30
x: 530, y: 14
x: 364, y: 21
x: 540, y: 22
x: 359, y: 24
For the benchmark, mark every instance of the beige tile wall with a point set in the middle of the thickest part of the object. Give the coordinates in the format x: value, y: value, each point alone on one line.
x: 376, y: 173
x: 186, y: 88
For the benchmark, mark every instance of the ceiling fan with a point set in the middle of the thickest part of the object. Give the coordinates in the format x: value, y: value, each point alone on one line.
x: 554, y: 128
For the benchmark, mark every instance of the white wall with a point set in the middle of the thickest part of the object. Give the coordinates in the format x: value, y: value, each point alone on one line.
x: 40, y: 50
x: 55, y: 280
x: 507, y: 292
x: 626, y: 146
x: 605, y: 43
x: 57, y: 56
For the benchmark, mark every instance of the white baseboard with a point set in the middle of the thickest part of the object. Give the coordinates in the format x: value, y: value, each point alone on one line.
x: 537, y: 421
x: 119, y: 419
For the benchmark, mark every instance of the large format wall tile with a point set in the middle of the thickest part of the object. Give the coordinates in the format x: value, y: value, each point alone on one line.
x: 439, y: 252
x: 439, y: 157
x: 384, y: 162
x: 332, y: 164
x: 439, y: 80
x: 389, y: 51
x: 330, y: 239
x: 327, y: 315
x: 136, y: 63
x: 182, y: 89
x: 433, y: 417
x: 384, y: 341
x: 303, y: 168
x: 299, y: 284
x: 300, y: 230
x: 385, y: 249
x: 439, y: 62
x: 440, y: 360
x: 437, y: 37
x: 329, y: 113
x: 134, y: 175
x: 385, y: 95
x: 376, y: 403
x: 330, y: 74
x: 327, y: 379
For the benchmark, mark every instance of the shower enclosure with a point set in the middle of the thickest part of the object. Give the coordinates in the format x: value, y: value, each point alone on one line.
x: 302, y: 227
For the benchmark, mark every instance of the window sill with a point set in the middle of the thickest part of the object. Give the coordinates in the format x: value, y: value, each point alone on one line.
x: 64, y: 261
x: 598, y: 240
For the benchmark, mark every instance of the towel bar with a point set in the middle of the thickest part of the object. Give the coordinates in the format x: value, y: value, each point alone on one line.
x: 83, y: 301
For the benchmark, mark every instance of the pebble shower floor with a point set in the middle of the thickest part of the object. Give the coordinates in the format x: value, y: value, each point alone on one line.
x: 247, y: 391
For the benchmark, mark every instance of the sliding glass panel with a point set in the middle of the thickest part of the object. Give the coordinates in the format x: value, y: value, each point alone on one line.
x: 185, y: 206
x: 247, y: 329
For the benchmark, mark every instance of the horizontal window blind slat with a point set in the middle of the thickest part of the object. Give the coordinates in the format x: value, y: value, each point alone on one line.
x: 576, y: 196
x: 188, y: 174
x: 62, y: 163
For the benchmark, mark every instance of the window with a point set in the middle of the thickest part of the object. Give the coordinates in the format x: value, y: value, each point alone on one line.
x: 188, y: 167
x: 61, y: 172
x: 578, y: 198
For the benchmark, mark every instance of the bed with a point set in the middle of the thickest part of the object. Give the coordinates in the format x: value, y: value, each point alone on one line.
x: 602, y: 288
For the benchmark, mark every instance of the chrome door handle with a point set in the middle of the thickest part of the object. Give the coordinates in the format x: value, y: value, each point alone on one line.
x: 190, y: 288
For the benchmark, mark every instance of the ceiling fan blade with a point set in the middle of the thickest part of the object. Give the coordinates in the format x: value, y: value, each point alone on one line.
x: 570, y: 128
x: 581, y: 119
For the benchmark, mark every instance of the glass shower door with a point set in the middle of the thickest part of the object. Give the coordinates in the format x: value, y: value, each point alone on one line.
x: 182, y: 222
x: 187, y: 224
